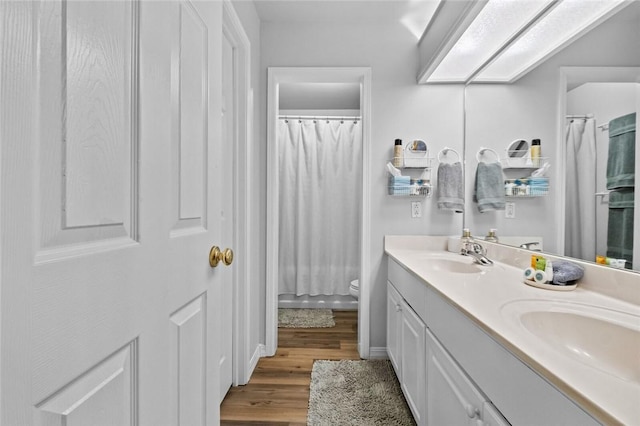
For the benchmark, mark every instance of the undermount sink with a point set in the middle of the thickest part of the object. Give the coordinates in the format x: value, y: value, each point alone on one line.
x: 604, y: 339
x: 455, y: 266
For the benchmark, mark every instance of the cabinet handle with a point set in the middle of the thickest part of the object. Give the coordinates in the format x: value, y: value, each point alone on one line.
x: 472, y: 411
x: 398, y: 307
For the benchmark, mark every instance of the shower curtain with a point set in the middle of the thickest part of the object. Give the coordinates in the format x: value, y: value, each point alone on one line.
x: 580, y: 214
x: 320, y: 172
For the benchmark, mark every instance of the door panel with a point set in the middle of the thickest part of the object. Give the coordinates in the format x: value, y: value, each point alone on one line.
x: 189, y: 361
x: 104, y: 395
x: 87, y: 142
x: 190, y: 111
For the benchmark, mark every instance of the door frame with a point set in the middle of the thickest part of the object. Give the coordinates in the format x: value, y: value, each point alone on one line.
x: 233, y: 30
x: 276, y: 76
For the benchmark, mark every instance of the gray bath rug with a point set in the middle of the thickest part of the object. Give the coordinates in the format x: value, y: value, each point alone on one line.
x: 305, y: 318
x: 356, y: 393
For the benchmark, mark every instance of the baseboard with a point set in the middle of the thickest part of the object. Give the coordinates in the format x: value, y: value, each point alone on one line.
x: 257, y: 354
x: 261, y: 352
x: 378, y: 353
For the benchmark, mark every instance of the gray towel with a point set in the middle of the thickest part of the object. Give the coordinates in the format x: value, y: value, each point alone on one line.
x: 620, y: 226
x: 450, y: 189
x: 489, y: 189
x: 566, y: 272
x: 622, y: 198
x: 622, y: 152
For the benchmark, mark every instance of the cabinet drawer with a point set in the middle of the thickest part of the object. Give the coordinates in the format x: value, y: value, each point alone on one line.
x: 412, y: 289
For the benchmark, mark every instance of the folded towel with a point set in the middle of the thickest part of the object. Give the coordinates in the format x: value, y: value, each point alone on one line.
x: 449, y: 187
x: 621, y: 198
x: 620, y: 225
x: 399, y: 185
x: 622, y: 152
x: 489, y: 189
x: 565, y: 273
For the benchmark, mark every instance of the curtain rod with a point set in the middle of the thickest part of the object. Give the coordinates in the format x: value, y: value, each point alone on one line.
x: 580, y: 116
x: 316, y: 117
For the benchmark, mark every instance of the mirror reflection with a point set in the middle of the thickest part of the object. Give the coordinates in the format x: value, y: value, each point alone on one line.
x: 569, y: 104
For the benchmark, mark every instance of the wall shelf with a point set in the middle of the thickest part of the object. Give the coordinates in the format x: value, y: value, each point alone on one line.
x: 417, y: 182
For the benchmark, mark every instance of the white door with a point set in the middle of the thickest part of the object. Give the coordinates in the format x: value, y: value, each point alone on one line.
x: 227, y: 214
x: 107, y: 169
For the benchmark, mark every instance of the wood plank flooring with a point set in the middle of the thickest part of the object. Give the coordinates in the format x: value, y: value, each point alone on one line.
x: 278, y: 392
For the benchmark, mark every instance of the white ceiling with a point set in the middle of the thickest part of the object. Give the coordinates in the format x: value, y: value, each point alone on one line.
x: 414, y: 14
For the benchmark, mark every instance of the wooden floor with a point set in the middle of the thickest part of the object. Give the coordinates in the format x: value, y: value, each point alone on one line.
x: 278, y: 392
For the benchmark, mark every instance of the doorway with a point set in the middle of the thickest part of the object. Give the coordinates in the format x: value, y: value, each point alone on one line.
x: 277, y: 79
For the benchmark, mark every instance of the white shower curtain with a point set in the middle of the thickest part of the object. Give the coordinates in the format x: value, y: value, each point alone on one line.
x: 580, y: 214
x: 320, y: 171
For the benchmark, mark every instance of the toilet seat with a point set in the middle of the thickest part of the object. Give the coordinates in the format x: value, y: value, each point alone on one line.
x: 354, y: 288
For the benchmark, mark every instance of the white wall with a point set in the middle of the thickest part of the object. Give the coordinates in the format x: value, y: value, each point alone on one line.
x: 606, y: 101
x: 400, y: 109
x: 528, y: 109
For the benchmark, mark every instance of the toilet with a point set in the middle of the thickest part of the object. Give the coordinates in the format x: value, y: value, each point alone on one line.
x: 354, y: 288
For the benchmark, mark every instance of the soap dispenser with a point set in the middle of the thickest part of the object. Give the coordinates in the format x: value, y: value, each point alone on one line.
x: 491, y: 236
x: 466, y: 240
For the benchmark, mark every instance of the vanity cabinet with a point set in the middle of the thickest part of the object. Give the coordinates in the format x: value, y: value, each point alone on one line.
x: 453, y: 372
x: 406, y: 334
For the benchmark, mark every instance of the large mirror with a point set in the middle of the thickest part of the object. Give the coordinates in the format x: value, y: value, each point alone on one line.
x: 595, y: 79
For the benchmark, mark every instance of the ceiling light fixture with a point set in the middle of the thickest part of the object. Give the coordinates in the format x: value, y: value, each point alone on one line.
x: 508, y: 38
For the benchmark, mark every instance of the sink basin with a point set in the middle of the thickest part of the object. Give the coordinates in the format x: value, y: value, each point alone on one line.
x: 455, y: 266
x: 604, y: 339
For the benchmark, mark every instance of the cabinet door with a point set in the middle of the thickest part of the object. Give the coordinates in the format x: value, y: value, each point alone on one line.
x: 451, y: 397
x: 413, y: 360
x: 394, y: 319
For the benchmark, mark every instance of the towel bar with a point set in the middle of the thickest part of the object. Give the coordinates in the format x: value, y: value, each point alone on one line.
x: 446, y: 151
x: 482, y: 150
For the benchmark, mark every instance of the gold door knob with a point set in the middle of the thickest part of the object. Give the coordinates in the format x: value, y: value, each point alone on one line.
x: 216, y: 255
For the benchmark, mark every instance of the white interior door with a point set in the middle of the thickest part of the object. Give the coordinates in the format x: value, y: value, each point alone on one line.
x: 108, y: 212
x: 227, y: 214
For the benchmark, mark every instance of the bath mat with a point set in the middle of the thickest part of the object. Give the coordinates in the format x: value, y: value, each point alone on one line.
x: 356, y: 393
x: 305, y: 318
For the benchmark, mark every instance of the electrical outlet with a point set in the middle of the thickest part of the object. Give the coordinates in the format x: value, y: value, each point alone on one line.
x: 510, y: 210
x: 416, y: 209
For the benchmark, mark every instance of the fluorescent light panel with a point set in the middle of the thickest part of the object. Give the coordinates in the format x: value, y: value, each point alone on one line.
x: 495, y: 25
x: 569, y: 20
x: 494, y: 34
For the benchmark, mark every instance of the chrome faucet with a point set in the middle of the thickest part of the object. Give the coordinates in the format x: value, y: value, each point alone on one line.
x: 529, y: 245
x: 475, y: 250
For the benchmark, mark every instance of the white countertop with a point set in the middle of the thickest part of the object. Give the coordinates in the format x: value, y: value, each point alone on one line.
x: 488, y: 298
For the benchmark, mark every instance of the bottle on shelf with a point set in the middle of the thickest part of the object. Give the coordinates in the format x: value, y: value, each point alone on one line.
x: 536, y: 152
x: 398, y: 152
